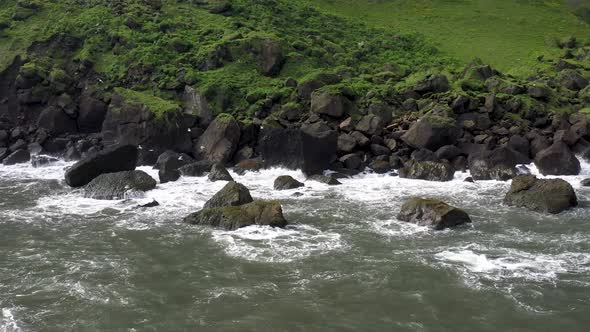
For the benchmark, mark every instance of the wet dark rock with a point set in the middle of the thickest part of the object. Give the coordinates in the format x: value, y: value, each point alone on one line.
x: 56, y: 122
x: 541, y: 195
x: 469, y: 179
x: 423, y: 155
x: 168, y: 175
x: 520, y: 144
x: 199, y: 168
x: 41, y: 161
x: 448, y: 152
x: 432, y: 213
x: 220, y: 141
x: 352, y: 161
x: 381, y: 166
x: 585, y: 183
x: 17, y: 157
x: 379, y: 150
x: 172, y: 160
x: 498, y: 164
x: 286, y: 182
x: 326, y: 179
x: 427, y: 170
x: 91, y: 114
x: 219, y: 173
x: 263, y: 213
x: 35, y: 149
x: 4, y: 153
x: 558, y: 159
x: 112, y: 159
x: 117, y: 185
x: 152, y: 203
x: 232, y: 194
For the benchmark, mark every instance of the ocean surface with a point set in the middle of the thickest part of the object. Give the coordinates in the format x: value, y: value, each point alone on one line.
x: 69, y: 263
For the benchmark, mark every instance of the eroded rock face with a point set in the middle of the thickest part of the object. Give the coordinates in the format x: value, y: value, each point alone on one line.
x: 232, y: 194
x: 433, y: 213
x: 110, y: 160
x: 427, y: 170
x: 309, y: 150
x: 220, y: 141
x: 541, y: 195
x: 111, y: 186
x: 286, y: 182
x: 263, y: 213
x: 557, y: 159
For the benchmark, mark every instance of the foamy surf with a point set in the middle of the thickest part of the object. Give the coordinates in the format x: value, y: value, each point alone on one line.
x: 8, y: 322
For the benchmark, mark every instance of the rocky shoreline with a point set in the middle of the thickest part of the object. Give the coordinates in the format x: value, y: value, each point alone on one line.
x: 492, y: 126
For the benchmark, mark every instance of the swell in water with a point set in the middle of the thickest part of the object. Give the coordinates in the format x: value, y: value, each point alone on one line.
x: 506, y: 250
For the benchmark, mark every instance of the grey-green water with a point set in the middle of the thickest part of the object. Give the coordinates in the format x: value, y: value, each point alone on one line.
x: 345, y: 264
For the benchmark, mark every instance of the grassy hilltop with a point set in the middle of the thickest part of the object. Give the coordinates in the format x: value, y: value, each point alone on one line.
x: 507, y: 34
x: 239, y: 54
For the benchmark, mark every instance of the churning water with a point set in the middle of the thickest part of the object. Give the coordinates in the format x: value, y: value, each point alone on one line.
x: 69, y: 263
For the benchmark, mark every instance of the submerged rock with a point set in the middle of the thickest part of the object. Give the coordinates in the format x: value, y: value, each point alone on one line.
x: 41, y: 161
x: 286, y: 182
x: 329, y: 180
x: 433, y: 213
x: 232, y: 194
x: 428, y: 170
x: 116, y: 185
x: 264, y: 213
x: 114, y: 159
x: 585, y: 183
x: 541, y: 195
x: 219, y: 173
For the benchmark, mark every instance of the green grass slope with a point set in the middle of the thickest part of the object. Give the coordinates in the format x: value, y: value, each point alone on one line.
x: 508, y: 34
x: 157, y: 47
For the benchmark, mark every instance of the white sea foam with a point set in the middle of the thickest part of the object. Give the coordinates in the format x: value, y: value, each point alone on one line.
x: 498, y: 264
x: 8, y: 322
x: 267, y: 244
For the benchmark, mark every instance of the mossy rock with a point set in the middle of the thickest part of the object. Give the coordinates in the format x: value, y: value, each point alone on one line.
x: 262, y: 213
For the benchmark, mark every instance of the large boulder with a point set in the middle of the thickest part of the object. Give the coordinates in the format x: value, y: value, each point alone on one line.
x: 269, y: 56
x: 312, y: 151
x: 333, y: 105
x: 433, y: 213
x: 432, y: 132
x: 220, y: 141
x: 427, y: 170
x: 557, y: 159
x: 232, y: 194
x: 286, y: 182
x: 263, y: 213
x: 17, y: 157
x: 113, y: 159
x: 498, y: 164
x: 248, y: 165
x: 199, y: 168
x: 117, y: 185
x: 434, y: 83
x: 168, y: 175
x: 541, y: 195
